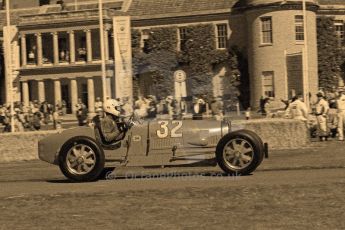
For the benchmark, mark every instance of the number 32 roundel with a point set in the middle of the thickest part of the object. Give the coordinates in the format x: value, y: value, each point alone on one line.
x: 172, y: 128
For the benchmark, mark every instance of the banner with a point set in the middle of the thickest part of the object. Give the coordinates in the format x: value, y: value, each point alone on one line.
x: 123, y: 57
x: 12, y: 63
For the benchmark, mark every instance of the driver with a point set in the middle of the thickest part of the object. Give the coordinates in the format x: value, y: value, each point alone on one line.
x: 111, y: 128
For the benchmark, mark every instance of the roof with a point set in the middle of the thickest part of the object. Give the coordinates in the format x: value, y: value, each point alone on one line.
x: 166, y: 8
x: 332, y: 2
x: 146, y: 9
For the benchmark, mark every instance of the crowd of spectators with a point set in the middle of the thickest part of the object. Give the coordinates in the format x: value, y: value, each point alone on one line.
x: 151, y: 107
x: 36, y: 114
x: 31, y: 117
x: 325, y: 114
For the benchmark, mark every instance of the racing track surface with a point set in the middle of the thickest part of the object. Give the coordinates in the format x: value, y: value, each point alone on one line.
x: 293, y: 189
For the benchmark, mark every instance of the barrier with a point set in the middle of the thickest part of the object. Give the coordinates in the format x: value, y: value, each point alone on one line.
x: 278, y: 133
x: 20, y: 146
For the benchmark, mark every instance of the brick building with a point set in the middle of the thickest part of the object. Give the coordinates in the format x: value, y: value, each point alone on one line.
x: 58, y: 51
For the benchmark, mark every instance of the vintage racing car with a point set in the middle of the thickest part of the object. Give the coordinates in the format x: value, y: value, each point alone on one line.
x: 82, y: 153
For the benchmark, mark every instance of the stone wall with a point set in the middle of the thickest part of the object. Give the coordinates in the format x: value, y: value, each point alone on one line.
x: 20, y: 146
x: 278, y: 133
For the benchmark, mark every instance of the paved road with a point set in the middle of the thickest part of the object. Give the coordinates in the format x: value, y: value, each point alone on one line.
x: 294, y: 189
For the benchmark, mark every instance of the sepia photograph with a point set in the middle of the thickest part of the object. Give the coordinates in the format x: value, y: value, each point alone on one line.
x: 172, y: 114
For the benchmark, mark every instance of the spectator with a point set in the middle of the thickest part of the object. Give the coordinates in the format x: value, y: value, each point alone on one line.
x: 341, y: 114
x: 248, y: 113
x: 170, y: 106
x: 162, y: 107
x: 36, y: 121
x: 332, y: 121
x: 81, y: 113
x: 217, y: 108
x: 298, y: 109
x: 99, y: 106
x: 262, y: 105
x: 56, y: 118
x: 63, y: 107
x: 45, y: 110
x: 152, y: 107
x: 141, y: 106
x: 198, y: 108
x: 322, y: 108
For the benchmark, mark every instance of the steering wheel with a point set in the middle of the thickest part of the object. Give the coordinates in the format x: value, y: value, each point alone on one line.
x: 133, y: 120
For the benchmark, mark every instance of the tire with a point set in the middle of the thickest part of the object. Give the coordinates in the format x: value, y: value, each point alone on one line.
x: 254, y: 135
x: 81, y: 159
x: 240, y: 152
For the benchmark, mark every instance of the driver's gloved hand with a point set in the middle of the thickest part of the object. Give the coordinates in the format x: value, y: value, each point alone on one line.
x: 129, y: 124
x: 123, y: 127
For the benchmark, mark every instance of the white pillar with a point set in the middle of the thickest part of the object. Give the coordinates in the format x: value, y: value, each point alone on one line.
x: 25, y: 88
x: 39, y: 49
x: 74, y: 95
x: 91, y: 95
x: 106, y: 44
x: 108, y: 87
x: 41, y: 91
x: 72, y: 46
x: 56, y: 47
x: 57, y: 91
x: 88, y: 46
x: 24, y: 52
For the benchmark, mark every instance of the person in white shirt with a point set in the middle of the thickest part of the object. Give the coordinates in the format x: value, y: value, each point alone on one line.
x: 341, y: 114
x: 322, y: 108
x: 297, y: 109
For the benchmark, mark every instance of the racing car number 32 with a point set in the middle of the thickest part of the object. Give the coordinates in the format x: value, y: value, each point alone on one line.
x: 164, y: 131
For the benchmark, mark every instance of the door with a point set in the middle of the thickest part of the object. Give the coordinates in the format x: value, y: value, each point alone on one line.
x: 66, y: 97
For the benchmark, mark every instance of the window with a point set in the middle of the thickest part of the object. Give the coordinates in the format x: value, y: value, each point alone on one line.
x: 183, y: 38
x: 268, y: 83
x: 44, y: 2
x: 145, y: 35
x: 339, y: 30
x: 266, y: 30
x: 222, y: 36
x: 299, y: 28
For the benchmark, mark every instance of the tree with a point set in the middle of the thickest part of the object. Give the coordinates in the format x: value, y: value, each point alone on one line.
x: 329, y: 55
x: 2, y: 70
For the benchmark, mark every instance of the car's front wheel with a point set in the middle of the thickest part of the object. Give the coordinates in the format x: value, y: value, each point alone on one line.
x: 240, y: 152
x: 81, y: 160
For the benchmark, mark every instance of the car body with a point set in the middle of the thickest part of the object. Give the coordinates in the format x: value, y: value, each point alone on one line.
x: 82, y: 154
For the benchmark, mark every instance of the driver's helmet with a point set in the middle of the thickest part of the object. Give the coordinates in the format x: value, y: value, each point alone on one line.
x: 112, y: 106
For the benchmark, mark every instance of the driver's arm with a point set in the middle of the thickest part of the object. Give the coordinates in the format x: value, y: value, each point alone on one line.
x: 110, y: 130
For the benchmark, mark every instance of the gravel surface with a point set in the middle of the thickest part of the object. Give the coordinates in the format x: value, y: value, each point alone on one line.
x: 293, y: 189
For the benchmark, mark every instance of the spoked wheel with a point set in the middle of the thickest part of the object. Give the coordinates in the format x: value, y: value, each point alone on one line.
x: 81, y: 160
x: 240, y: 152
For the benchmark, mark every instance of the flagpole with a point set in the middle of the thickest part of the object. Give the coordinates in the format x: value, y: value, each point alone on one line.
x: 9, y: 63
x: 305, y: 55
x: 101, y: 34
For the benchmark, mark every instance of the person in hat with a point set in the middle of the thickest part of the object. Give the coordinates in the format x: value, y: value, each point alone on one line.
x: 297, y: 109
x: 341, y: 113
x: 321, y: 111
x: 99, y: 106
x: 110, y: 126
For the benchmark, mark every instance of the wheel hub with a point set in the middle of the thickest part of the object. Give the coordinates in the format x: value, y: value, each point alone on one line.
x: 238, y: 154
x: 80, y: 160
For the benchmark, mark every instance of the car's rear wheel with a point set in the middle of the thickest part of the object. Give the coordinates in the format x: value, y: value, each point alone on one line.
x: 240, y: 152
x: 81, y: 160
